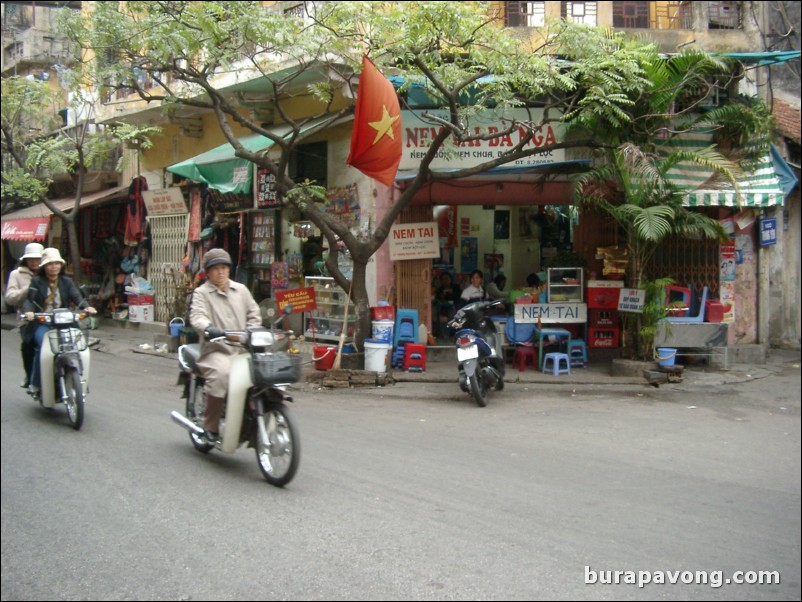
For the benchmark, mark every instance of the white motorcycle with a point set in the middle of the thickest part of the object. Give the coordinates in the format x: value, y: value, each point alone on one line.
x: 255, y: 413
x: 64, y: 363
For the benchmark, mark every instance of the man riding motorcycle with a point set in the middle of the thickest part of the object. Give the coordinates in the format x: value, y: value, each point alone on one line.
x: 218, y: 304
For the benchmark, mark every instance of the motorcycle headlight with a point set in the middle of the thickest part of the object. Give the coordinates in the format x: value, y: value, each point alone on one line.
x: 63, y: 317
x: 262, y: 338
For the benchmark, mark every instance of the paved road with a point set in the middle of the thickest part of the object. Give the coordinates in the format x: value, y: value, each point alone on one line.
x: 404, y: 492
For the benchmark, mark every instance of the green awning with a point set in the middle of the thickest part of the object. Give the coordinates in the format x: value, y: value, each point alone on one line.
x: 759, y: 186
x: 223, y: 171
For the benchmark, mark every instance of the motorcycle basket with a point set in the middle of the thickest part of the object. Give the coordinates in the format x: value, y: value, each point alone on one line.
x: 275, y: 368
x: 67, y: 340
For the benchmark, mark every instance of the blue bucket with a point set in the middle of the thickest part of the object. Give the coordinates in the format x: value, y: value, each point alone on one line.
x: 665, y: 356
x: 176, y: 324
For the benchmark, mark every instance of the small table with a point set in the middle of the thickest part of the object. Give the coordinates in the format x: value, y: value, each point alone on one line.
x: 541, y: 333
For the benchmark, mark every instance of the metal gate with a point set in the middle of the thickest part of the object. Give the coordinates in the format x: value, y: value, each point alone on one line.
x: 168, y: 245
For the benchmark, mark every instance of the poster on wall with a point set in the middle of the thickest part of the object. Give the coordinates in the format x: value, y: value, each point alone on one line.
x: 279, y: 275
x: 501, y: 224
x: 469, y: 253
x: 265, y: 192
x: 727, y: 262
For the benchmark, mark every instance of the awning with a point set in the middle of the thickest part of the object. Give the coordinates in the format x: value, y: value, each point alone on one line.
x: 33, y: 228
x: 30, y: 219
x: 223, y: 171
x: 759, y: 187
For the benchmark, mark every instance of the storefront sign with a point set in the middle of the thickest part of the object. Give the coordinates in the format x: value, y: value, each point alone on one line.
x: 33, y: 228
x: 266, y: 194
x: 164, y: 201
x: 551, y: 313
x: 768, y: 231
x: 301, y: 299
x: 632, y: 300
x: 418, y: 133
x: 414, y: 241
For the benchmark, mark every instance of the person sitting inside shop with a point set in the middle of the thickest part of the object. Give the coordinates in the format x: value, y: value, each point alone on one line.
x: 495, y: 290
x: 474, y: 291
x: 445, y: 298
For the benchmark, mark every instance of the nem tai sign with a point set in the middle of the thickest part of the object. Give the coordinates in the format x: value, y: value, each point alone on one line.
x: 414, y: 241
x: 418, y: 133
x: 551, y: 313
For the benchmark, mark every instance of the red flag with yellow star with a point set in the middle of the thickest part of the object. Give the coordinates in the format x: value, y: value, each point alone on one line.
x: 376, y: 139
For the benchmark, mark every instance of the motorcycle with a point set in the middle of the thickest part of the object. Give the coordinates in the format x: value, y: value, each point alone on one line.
x: 255, y: 411
x: 479, y: 351
x: 65, y: 356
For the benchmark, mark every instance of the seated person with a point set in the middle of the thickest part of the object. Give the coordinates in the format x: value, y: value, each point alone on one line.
x: 474, y: 291
x: 495, y: 290
x: 445, y: 298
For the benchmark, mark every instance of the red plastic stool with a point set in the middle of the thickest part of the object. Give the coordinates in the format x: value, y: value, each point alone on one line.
x: 524, y: 355
x: 415, y: 357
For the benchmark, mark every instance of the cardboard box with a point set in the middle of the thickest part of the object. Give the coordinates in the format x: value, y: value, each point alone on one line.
x: 140, y: 300
x: 140, y: 313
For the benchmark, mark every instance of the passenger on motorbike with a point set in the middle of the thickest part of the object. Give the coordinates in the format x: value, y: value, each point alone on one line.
x: 16, y: 290
x: 49, y: 290
x: 219, y: 304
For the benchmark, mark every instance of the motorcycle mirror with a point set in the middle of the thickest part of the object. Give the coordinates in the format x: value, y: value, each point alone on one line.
x: 287, y: 309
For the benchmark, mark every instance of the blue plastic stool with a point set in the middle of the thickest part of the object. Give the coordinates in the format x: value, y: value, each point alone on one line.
x: 556, y: 359
x: 406, y: 326
x: 578, y: 352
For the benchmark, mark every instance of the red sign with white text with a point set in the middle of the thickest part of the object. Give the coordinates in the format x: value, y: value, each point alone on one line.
x: 301, y: 299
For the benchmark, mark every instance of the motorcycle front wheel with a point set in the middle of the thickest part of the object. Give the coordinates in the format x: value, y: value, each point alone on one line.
x: 74, y: 398
x: 196, y: 407
x: 478, y: 389
x: 279, y: 455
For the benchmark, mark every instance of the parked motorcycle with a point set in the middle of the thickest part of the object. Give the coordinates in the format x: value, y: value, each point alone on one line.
x: 255, y: 412
x: 64, y: 363
x: 479, y: 351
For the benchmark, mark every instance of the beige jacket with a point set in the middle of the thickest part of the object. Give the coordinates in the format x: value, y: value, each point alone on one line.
x: 233, y: 309
x: 18, y: 282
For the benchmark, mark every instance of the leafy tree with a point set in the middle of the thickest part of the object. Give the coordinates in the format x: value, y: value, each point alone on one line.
x: 632, y: 184
x: 192, y: 51
x: 37, y: 148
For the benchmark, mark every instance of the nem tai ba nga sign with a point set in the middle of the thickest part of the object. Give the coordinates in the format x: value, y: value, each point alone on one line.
x: 414, y: 241
x: 503, y: 132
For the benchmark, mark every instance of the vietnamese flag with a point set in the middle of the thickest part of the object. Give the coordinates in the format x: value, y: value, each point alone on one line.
x: 376, y: 139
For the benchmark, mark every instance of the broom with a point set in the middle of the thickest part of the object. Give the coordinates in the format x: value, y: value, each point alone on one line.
x: 336, y: 365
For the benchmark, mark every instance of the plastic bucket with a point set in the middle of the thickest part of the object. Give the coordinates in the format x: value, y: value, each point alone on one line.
x: 376, y: 355
x: 323, y: 356
x: 665, y: 356
x: 382, y: 330
x: 176, y: 324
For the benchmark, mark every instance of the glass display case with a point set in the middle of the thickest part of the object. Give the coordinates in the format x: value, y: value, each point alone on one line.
x: 565, y: 285
x: 328, y: 320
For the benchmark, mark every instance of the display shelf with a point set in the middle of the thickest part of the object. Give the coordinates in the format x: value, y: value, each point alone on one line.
x: 565, y: 285
x: 328, y: 320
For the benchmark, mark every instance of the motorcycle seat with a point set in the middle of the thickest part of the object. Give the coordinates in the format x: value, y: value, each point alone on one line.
x: 189, y: 355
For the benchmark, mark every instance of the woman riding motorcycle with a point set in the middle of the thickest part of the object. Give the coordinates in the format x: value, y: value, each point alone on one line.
x: 49, y: 290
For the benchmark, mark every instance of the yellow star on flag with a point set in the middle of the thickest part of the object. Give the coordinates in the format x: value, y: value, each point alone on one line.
x: 384, y: 125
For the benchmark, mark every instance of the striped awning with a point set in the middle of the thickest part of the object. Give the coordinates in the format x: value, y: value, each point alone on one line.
x: 758, y: 187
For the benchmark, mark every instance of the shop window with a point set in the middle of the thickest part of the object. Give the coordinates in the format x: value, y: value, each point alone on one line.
x: 524, y: 14
x: 579, y: 12
x: 724, y: 15
x: 631, y: 15
x: 310, y: 162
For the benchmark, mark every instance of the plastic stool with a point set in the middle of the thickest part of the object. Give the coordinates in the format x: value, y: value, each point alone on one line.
x: 578, y: 352
x: 398, y: 356
x: 406, y: 326
x: 414, y: 357
x: 524, y: 355
x: 556, y: 359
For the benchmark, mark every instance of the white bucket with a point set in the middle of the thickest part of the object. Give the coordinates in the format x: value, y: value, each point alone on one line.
x: 376, y: 355
x: 382, y: 331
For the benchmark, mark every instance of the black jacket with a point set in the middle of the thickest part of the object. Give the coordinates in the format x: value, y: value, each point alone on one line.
x: 37, y: 293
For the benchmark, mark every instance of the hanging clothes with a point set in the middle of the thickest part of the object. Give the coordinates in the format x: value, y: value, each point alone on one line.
x: 135, y: 218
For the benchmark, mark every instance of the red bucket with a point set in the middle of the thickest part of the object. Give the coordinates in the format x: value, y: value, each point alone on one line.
x: 324, y: 355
